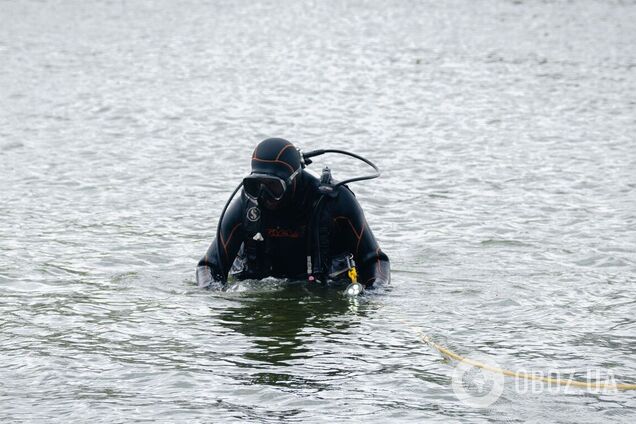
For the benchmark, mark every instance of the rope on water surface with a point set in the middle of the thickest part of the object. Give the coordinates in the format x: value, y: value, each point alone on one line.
x: 524, y: 375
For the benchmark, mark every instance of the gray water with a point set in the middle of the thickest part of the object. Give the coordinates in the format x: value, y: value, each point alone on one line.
x: 505, y: 132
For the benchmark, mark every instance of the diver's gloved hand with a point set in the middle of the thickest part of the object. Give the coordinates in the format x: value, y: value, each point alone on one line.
x: 205, y: 278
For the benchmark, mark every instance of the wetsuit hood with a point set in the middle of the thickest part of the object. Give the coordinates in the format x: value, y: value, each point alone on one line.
x: 275, y: 156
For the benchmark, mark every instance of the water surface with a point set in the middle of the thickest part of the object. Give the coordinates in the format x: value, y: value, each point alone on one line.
x: 505, y: 132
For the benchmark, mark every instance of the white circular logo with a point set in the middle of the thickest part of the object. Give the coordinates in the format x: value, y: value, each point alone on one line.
x: 253, y: 214
x: 475, y: 386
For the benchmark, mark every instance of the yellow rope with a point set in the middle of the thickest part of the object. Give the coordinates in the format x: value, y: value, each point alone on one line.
x: 523, y: 375
x: 519, y: 374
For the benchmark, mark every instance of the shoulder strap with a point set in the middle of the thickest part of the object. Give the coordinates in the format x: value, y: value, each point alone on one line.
x: 251, y: 219
x: 255, y: 244
x: 318, y: 254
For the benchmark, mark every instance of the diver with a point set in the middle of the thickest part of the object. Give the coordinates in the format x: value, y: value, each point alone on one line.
x: 287, y: 223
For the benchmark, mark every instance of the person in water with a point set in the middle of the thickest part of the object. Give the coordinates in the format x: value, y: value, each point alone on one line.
x: 287, y: 223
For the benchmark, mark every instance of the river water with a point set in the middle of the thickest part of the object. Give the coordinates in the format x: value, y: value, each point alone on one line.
x: 505, y: 132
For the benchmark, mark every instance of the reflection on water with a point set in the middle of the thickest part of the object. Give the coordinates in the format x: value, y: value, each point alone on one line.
x: 281, y: 322
x: 283, y: 326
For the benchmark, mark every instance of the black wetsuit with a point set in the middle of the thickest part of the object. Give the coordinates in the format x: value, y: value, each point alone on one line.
x: 286, y: 238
